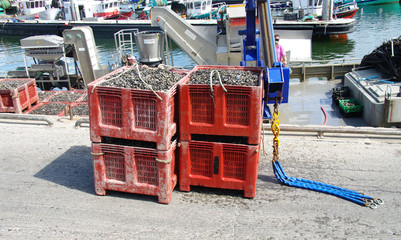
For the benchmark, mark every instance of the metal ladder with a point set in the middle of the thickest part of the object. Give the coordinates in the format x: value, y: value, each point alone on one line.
x: 124, y: 42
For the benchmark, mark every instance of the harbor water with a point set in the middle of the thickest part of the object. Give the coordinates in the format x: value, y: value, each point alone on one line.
x: 375, y: 25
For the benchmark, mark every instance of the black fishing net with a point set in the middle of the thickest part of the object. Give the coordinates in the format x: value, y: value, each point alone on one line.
x: 386, y: 58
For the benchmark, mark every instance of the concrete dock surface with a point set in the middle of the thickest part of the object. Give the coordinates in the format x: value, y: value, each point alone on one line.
x: 47, y: 192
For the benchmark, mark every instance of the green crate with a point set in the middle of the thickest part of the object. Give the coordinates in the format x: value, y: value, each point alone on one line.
x: 350, y: 106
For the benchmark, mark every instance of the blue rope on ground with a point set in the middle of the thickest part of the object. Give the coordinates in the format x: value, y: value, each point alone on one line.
x: 344, y: 193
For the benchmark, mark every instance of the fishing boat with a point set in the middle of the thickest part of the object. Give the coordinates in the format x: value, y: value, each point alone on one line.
x: 92, y: 9
x: 32, y: 9
x: 345, y: 8
x: 133, y: 5
x: 198, y: 9
x: 374, y: 2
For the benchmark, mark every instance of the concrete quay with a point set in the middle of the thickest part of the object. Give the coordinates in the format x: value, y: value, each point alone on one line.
x: 47, y: 191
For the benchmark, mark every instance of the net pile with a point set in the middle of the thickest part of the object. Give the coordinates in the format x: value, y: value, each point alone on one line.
x: 386, y: 59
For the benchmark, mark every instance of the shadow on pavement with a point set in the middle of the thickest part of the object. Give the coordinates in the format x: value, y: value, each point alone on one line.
x: 73, y: 169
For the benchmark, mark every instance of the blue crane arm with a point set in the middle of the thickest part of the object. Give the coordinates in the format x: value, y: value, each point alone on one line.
x: 276, y: 74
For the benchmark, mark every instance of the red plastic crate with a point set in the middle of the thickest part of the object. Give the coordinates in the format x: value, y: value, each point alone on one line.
x: 219, y: 165
x: 132, y: 114
x: 237, y: 112
x: 18, y: 99
x: 134, y: 170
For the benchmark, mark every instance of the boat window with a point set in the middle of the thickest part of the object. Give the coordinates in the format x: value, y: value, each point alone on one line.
x: 197, y: 4
x: 32, y: 5
x: 36, y: 4
x: 203, y: 5
x: 110, y: 5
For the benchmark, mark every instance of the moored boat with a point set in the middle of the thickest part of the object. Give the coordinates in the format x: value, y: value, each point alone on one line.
x: 31, y: 9
x: 374, y: 2
x: 345, y: 9
x: 87, y: 9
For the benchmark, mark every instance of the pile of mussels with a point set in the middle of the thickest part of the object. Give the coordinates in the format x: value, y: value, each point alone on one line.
x: 159, y: 79
x: 228, y: 77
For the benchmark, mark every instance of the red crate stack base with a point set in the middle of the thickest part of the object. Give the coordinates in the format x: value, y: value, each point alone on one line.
x: 18, y: 99
x: 134, y: 170
x: 237, y: 112
x: 132, y: 114
x: 219, y: 165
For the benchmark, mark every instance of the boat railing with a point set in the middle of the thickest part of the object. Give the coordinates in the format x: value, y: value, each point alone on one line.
x: 326, y: 61
x: 329, y: 69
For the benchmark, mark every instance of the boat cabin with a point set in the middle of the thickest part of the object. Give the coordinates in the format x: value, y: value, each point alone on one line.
x: 194, y: 8
x: 80, y: 9
x: 32, y: 6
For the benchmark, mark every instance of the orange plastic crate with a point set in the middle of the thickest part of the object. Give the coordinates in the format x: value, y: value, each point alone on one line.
x: 18, y: 99
x: 237, y: 112
x: 133, y: 114
x: 219, y: 165
x: 135, y: 170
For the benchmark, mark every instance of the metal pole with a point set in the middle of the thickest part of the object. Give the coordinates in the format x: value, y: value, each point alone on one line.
x: 327, y: 129
x: 26, y: 117
x: 269, y: 50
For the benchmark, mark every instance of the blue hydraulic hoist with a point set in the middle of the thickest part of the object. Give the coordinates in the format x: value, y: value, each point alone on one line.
x: 276, y: 77
x: 276, y: 86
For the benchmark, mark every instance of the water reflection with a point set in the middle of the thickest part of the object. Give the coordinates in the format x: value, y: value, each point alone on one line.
x: 375, y: 25
x: 332, y: 48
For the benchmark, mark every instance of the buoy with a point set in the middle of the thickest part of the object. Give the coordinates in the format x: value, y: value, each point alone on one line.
x: 21, y: 5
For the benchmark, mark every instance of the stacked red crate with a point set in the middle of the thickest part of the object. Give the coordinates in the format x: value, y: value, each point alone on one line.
x: 211, y: 112
x: 17, y: 99
x: 134, y: 116
x: 134, y: 169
